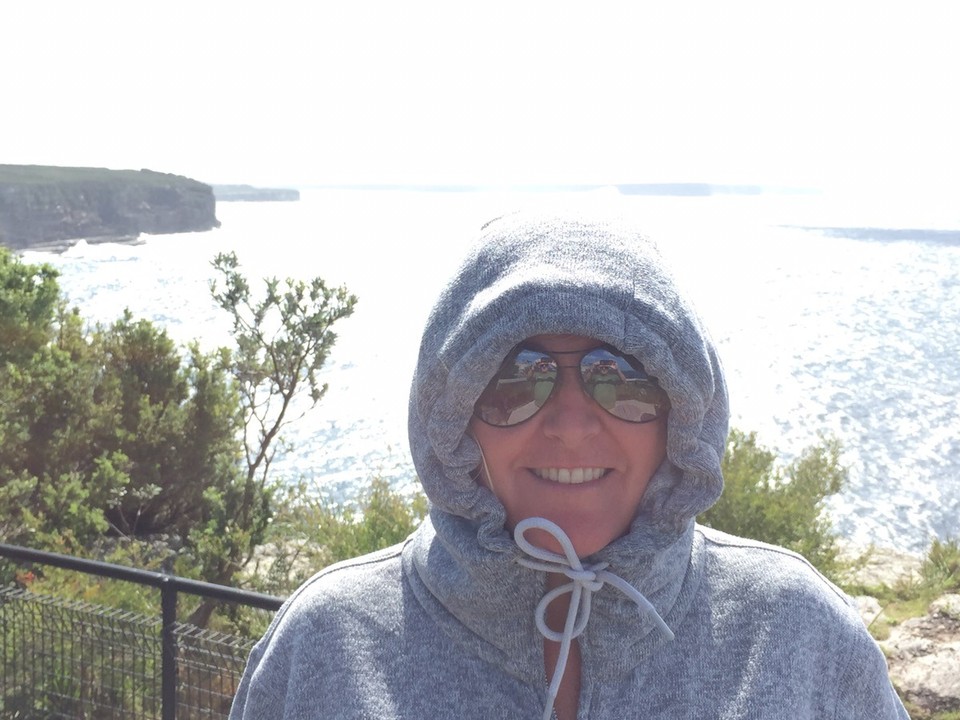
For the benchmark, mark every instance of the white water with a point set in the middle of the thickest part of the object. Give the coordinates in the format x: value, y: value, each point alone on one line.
x: 855, y: 338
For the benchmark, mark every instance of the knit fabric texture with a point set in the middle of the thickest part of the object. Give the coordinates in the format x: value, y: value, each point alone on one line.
x: 444, y: 625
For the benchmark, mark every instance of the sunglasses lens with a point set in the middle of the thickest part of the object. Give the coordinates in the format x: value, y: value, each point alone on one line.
x: 622, y: 387
x: 520, y: 388
x: 527, y: 378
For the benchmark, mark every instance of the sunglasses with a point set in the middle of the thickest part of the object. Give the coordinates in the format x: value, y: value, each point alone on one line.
x: 527, y: 378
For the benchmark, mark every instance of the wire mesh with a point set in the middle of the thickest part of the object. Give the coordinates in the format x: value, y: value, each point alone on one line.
x: 64, y: 659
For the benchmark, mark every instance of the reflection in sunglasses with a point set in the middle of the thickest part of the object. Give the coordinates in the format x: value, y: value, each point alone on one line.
x: 616, y: 382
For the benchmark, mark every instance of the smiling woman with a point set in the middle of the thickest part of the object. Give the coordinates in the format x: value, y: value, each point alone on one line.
x: 567, y: 419
x: 573, y: 461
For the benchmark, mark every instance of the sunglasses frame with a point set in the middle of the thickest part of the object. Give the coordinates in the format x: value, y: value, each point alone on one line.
x: 662, y: 403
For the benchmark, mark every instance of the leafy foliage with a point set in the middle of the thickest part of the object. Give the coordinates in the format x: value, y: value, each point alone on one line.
x: 281, y: 341
x: 781, y: 506
x: 29, y: 295
x: 104, y: 430
x: 52, y: 471
x: 175, y: 425
x: 310, y: 533
x: 114, y: 431
x: 941, y: 566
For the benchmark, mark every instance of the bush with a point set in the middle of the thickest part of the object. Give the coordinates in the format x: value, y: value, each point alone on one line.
x: 781, y: 506
x: 940, y: 569
x: 310, y: 533
x: 113, y: 431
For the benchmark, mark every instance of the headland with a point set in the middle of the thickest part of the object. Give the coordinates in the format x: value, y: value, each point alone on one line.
x: 51, y: 208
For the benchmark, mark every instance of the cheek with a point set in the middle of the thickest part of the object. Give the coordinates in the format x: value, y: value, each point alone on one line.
x: 500, y: 450
x: 648, y: 446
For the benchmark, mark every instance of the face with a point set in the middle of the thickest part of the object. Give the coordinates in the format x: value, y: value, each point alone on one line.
x: 571, y: 437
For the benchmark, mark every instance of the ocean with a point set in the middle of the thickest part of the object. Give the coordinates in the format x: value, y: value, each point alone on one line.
x: 834, y: 316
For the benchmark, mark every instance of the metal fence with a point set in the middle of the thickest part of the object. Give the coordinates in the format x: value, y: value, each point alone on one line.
x: 66, y: 659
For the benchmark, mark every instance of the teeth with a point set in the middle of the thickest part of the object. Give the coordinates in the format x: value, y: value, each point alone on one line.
x: 569, y: 476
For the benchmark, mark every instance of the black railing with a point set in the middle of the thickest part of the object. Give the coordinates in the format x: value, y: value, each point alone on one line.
x: 115, y: 628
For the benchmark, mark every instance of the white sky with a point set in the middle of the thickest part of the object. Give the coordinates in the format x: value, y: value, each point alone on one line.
x: 803, y: 93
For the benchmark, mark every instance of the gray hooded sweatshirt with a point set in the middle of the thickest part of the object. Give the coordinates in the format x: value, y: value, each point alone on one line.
x: 444, y: 624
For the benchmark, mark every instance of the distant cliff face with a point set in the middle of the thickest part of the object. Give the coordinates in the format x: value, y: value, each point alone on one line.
x: 52, y: 206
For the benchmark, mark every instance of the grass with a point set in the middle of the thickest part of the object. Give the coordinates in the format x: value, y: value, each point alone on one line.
x: 47, y: 174
x: 910, y: 596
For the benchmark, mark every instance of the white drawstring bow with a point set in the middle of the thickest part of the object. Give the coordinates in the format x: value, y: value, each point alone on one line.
x: 584, y: 581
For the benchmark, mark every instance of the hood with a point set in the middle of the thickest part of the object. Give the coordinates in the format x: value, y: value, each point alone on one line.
x: 598, y: 276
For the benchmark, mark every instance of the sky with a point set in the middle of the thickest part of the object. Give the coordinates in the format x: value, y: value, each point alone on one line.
x: 800, y: 94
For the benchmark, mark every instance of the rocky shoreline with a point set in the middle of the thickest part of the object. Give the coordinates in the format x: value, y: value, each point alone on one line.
x: 59, y: 246
x: 923, y: 653
x: 51, y: 208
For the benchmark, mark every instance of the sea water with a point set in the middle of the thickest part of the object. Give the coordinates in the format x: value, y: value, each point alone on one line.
x: 820, y: 334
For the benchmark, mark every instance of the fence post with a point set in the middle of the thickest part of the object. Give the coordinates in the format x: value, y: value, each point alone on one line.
x: 168, y: 662
x: 169, y: 586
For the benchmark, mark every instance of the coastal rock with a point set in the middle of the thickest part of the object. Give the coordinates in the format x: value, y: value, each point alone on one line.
x: 881, y: 566
x: 870, y: 609
x: 923, y: 654
x: 51, y: 207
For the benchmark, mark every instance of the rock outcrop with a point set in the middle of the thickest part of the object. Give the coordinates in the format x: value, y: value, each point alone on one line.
x: 923, y: 654
x: 52, y: 207
x: 881, y: 566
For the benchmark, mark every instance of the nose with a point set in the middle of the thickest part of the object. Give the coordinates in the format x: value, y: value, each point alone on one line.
x: 570, y: 415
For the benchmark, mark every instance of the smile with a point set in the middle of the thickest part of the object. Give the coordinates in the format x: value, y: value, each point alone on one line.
x: 570, y: 476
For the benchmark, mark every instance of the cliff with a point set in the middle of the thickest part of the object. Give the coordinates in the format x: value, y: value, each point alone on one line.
x: 51, y: 207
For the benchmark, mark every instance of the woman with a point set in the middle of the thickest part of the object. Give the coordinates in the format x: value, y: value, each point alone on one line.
x: 561, y: 572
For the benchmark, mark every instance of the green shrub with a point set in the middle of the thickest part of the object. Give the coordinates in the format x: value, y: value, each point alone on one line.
x: 120, y: 594
x: 113, y: 431
x: 309, y: 532
x: 941, y: 567
x: 782, y: 506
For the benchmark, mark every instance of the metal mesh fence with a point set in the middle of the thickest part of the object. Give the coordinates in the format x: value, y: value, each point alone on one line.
x: 209, y: 666
x: 68, y: 659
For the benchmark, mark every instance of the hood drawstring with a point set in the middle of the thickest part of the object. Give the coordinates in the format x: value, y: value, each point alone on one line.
x: 584, y: 581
